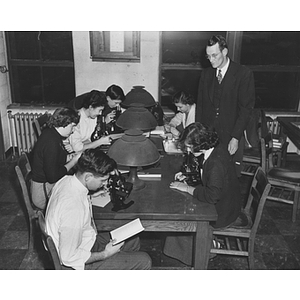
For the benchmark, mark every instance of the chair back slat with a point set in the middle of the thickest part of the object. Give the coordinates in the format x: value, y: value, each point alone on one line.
x: 48, y: 242
x: 23, y: 170
x: 259, y: 191
x: 267, y: 152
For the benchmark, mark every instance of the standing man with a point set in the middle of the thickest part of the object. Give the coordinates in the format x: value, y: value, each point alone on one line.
x: 226, y: 97
x: 69, y: 221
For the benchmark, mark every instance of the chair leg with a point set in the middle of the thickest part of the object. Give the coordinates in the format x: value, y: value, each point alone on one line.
x: 251, y: 254
x: 31, y: 235
x: 295, y: 206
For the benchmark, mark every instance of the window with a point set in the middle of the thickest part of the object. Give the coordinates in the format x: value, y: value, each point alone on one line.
x: 273, y: 56
x: 115, y: 45
x: 41, y: 67
x: 182, y: 59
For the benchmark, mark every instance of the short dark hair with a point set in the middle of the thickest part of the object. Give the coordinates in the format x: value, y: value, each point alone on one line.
x: 96, y: 162
x: 199, y: 136
x: 184, y: 98
x: 62, y: 117
x: 115, y: 92
x: 94, y: 99
x: 218, y: 39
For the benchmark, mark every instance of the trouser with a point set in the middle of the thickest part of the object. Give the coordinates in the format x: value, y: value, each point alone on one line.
x: 40, y: 193
x: 129, y: 258
x: 238, y: 156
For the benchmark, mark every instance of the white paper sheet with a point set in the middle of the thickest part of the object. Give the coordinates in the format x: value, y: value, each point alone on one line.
x: 101, y: 200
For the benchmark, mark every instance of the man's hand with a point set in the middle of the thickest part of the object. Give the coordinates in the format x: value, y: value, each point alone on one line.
x: 111, y: 250
x: 233, y: 146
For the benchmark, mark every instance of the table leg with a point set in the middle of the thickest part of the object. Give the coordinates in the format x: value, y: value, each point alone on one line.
x: 202, y: 246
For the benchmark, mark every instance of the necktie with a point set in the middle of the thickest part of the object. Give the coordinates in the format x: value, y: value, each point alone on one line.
x: 220, y: 77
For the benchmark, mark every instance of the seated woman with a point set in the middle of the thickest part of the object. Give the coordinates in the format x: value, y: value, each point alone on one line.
x: 50, y: 159
x: 220, y: 185
x: 80, y: 139
x: 112, y: 110
x: 186, y: 106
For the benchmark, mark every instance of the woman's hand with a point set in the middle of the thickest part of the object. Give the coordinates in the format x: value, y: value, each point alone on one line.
x: 74, y: 156
x: 175, y: 133
x: 69, y: 148
x: 105, y: 140
x: 177, y: 185
x: 180, y: 177
x: 110, y: 117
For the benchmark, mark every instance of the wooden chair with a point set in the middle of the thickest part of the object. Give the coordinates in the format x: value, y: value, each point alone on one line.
x: 285, y: 183
x: 48, y: 243
x: 39, y: 124
x: 252, y: 155
x: 23, y: 170
x: 240, y: 241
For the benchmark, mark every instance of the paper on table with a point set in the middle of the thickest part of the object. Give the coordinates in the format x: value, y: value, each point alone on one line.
x: 101, y: 200
x: 126, y: 231
x: 160, y: 130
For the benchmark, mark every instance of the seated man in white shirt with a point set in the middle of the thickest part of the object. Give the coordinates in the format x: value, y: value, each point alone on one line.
x: 69, y: 221
x: 186, y: 106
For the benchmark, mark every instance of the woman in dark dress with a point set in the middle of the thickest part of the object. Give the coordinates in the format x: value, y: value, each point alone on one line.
x: 51, y: 161
x: 220, y: 185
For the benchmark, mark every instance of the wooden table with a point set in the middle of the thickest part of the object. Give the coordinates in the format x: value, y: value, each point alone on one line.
x: 292, y: 131
x: 162, y: 209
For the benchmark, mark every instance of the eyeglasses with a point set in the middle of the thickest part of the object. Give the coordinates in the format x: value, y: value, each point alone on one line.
x: 214, y: 55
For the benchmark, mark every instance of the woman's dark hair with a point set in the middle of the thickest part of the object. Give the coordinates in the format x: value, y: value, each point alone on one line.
x: 184, y: 98
x: 115, y: 93
x: 94, y: 99
x: 199, y: 136
x: 62, y: 117
x: 96, y: 162
x: 217, y: 39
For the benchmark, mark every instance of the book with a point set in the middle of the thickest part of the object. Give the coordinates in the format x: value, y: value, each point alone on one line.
x: 126, y: 231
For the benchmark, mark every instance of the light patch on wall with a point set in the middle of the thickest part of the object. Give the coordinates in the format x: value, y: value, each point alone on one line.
x: 117, y: 41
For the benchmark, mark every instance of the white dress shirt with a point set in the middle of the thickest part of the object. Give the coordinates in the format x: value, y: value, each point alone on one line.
x: 224, y: 69
x: 69, y: 222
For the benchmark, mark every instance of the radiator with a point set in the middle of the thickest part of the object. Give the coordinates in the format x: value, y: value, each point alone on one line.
x: 21, y: 131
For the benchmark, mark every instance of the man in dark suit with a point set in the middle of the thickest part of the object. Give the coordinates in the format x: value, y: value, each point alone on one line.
x: 226, y: 97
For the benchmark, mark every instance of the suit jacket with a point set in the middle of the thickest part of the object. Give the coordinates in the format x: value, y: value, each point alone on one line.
x: 220, y: 186
x: 237, y: 101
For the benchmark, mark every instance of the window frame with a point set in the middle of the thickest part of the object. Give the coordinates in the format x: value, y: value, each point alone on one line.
x: 38, y: 62
x: 100, y: 45
x: 234, y: 41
